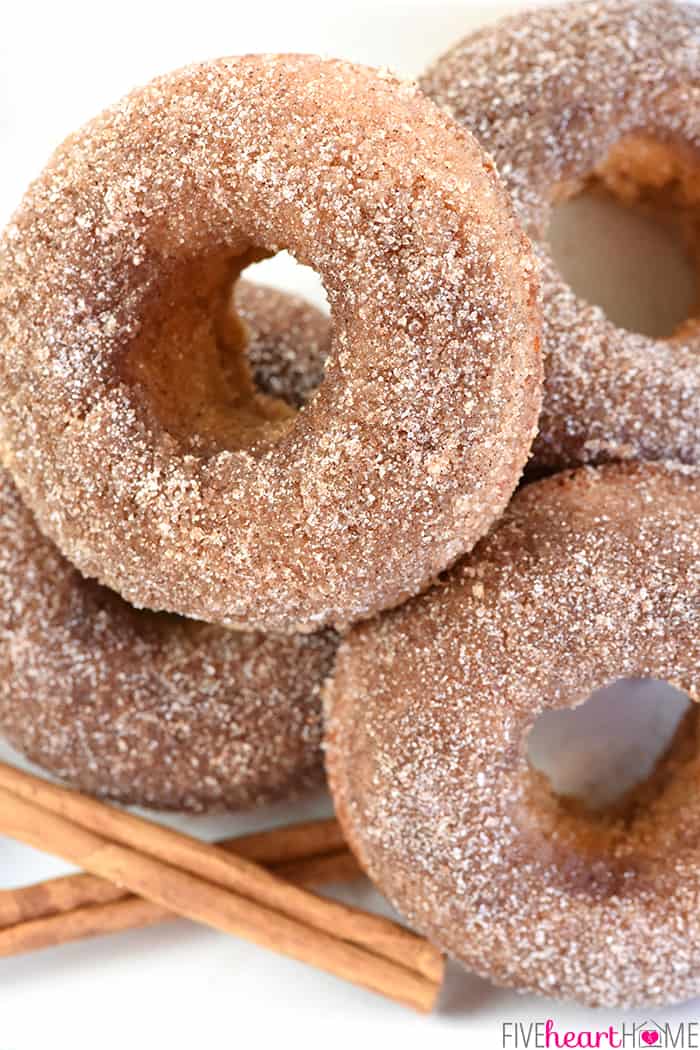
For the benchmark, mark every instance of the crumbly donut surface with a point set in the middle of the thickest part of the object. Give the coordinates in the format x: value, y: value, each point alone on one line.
x: 153, y: 709
x: 128, y: 420
x: 603, y: 96
x: 591, y: 576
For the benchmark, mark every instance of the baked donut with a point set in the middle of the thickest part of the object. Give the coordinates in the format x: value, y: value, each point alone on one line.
x: 148, y: 708
x: 287, y: 341
x: 592, y: 575
x: 131, y: 426
x: 599, y: 96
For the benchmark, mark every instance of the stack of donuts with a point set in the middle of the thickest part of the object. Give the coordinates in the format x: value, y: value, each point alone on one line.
x: 465, y: 498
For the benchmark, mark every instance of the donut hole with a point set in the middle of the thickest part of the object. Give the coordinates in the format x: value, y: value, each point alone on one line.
x: 287, y: 273
x: 286, y: 305
x: 627, y: 237
x: 597, y: 752
x: 189, y: 364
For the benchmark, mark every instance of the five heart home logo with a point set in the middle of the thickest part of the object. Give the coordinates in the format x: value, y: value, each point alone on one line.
x: 624, y: 1035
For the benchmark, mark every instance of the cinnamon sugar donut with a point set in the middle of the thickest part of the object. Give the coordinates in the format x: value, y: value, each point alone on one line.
x: 128, y: 420
x: 590, y: 576
x: 606, y: 97
x: 288, y: 341
x: 154, y: 709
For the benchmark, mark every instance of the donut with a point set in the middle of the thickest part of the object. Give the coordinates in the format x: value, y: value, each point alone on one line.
x: 149, y: 708
x: 591, y: 575
x: 287, y: 341
x: 603, y: 97
x: 129, y: 422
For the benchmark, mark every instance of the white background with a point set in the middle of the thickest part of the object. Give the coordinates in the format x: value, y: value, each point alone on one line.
x: 180, y: 986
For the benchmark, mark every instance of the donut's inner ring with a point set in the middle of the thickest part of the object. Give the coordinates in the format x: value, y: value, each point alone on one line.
x: 648, y: 822
x: 188, y: 364
x: 656, y: 177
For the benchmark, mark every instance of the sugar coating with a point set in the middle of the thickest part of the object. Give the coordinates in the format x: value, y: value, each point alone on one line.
x: 591, y: 576
x: 154, y: 709
x: 608, y: 92
x: 120, y: 386
x: 288, y: 341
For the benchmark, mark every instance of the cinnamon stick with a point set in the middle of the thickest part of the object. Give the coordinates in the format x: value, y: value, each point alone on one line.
x: 295, y: 852
x: 290, y: 842
x: 129, y: 913
x: 194, y: 897
x: 380, y: 936
x: 125, y: 912
x: 319, y: 871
